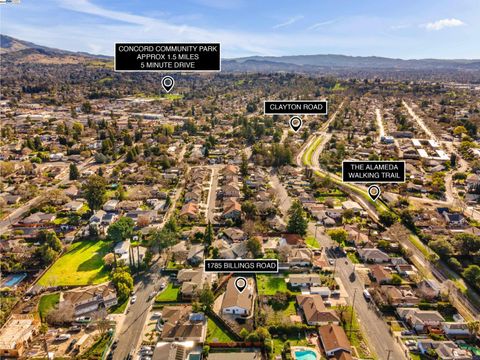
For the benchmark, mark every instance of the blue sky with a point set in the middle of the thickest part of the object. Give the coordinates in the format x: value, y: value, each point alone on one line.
x: 393, y: 28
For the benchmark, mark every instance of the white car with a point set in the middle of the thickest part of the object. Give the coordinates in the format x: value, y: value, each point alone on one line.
x: 133, y: 299
x: 63, y: 337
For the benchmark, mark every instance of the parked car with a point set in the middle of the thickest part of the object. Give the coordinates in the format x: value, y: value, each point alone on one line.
x: 83, y: 319
x: 133, y: 299
x: 71, y: 345
x: 367, y: 295
x: 63, y: 337
x: 74, y: 329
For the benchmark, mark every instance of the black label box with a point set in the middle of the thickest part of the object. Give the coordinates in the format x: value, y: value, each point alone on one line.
x: 241, y: 266
x: 167, y: 57
x: 373, y: 171
x: 295, y: 107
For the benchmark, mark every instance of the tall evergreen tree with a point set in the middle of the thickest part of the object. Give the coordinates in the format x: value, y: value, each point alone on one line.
x: 297, y: 223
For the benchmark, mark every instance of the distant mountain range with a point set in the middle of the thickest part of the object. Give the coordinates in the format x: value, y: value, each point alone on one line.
x: 16, y: 49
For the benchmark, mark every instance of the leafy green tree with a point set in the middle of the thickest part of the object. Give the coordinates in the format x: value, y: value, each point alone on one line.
x: 472, y: 274
x: 442, y: 247
x: 467, y: 244
x: 338, y: 235
x: 123, y: 282
x: 244, y: 165
x: 95, y: 189
x: 249, y: 209
x: 206, y: 297
x: 297, y: 223
x: 74, y: 173
x: 254, y: 246
x: 208, y: 236
x: 163, y: 239
x: 121, y: 230
x: 387, y: 218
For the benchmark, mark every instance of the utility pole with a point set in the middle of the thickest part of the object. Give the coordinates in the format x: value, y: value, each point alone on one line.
x: 389, y: 352
x: 351, y: 315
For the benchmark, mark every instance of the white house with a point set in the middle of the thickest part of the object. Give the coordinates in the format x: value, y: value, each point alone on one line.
x: 236, y: 303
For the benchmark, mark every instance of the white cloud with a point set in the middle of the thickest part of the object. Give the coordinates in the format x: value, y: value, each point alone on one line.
x: 443, y: 23
x: 290, y: 21
x: 318, y: 25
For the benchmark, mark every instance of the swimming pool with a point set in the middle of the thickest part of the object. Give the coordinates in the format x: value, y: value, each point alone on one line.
x: 305, y: 355
x: 13, y: 280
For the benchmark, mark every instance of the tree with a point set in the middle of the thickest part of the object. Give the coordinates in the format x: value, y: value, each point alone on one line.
x: 123, y: 282
x: 396, y: 279
x: 467, y: 244
x: 95, y: 189
x: 244, y: 165
x: 254, y: 246
x: 243, y: 333
x: 74, y: 173
x: 473, y: 328
x: 459, y: 131
x: 249, y: 209
x: 297, y: 223
x: 442, y: 247
x: 208, y: 236
x: 472, y: 274
x: 387, y: 218
x: 206, y: 297
x: 121, y: 230
x: 339, y: 235
x: 163, y: 239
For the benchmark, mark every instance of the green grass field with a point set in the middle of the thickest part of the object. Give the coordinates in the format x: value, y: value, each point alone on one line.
x: 312, y: 242
x: 81, y: 265
x: 270, y: 285
x: 214, y: 332
x: 47, y: 303
x: 170, y: 294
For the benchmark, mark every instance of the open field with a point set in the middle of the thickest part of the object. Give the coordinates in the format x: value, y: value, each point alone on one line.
x: 81, y: 265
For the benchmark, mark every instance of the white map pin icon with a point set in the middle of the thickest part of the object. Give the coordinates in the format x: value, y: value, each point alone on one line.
x: 374, y: 192
x: 240, y: 284
x: 168, y: 83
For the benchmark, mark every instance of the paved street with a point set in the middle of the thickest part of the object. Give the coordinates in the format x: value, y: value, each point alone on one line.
x: 129, y: 336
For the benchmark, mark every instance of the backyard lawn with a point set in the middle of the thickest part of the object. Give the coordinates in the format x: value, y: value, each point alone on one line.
x: 47, y: 303
x: 81, y: 265
x: 214, y: 332
x: 170, y: 294
x: 270, y: 285
x: 311, y: 241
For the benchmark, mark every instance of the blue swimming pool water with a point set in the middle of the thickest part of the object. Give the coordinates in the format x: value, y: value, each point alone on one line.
x: 14, y: 279
x: 305, y: 355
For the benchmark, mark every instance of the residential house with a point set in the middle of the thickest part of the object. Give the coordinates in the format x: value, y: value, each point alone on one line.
x: 195, y: 254
x: 189, y: 211
x: 89, y: 299
x: 238, y: 303
x: 121, y: 250
x: 193, y: 280
x: 429, y: 289
x: 111, y: 205
x: 400, y: 296
x: 181, y: 324
x: 38, y: 218
x: 16, y: 334
x: 304, y: 280
x: 315, y: 311
x: 234, y: 234
x: 420, y: 319
x: 235, y: 251
x: 300, y: 257
x: 446, y: 350
x: 334, y: 340
x: 380, y: 274
x: 232, y: 210
x: 456, y: 329
x: 373, y: 255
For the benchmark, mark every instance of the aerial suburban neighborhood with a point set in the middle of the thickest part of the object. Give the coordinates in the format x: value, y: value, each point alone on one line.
x: 117, y: 198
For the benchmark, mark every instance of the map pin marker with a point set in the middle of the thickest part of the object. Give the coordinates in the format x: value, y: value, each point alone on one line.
x: 168, y: 83
x: 240, y: 284
x: 374, y: 192
x: 295, y: 123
